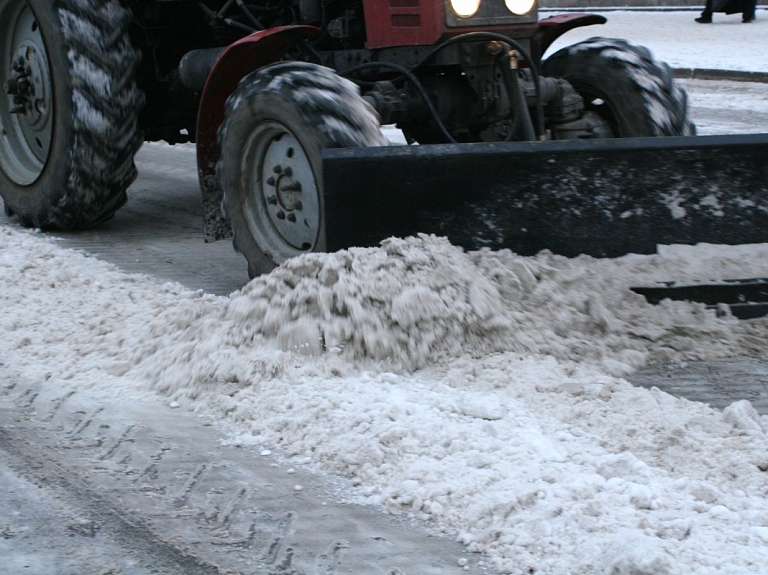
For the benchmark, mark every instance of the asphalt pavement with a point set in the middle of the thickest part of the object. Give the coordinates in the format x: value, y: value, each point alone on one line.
x: 716, y: 383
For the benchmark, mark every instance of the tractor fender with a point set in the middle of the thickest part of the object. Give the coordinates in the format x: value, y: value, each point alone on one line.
x: 550, y: 29
x: 235, y: 62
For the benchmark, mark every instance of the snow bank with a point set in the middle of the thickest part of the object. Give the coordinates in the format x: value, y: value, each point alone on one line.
x: 416, y: 301
x: 478, y: 391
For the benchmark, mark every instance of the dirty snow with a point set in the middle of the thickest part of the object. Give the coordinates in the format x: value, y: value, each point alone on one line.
x: 481, y: 392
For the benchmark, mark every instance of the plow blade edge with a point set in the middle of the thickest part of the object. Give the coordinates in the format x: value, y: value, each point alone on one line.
x: 603, y: 198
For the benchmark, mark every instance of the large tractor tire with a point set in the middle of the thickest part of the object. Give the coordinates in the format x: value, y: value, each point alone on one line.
x: 68, y: 112
x: 623, y: 86
x: 277, y: 123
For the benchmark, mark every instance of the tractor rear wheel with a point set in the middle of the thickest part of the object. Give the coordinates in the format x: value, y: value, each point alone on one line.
x: 68, y: 111
x: 277, y: 123
x: 624, y: 86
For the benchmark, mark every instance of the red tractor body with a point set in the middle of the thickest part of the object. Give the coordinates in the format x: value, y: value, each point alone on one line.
x: 391, y: 23
x: 266, y: 88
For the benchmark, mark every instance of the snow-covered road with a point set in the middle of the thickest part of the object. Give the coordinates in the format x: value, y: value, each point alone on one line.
x: 675, y: 38
x: 479, y: 396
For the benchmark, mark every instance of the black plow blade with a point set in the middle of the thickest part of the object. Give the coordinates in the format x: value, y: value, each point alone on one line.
x: 603, y: 198
x: 745, y: 299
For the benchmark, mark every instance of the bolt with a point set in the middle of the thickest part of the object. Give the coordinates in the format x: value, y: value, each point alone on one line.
x: 11, y: 86
x: 280, y: 215
x: 495, y: 47
x: 278, y: 169
x: 271, y: 181
x: 25, y: 86
x: 291, y: 217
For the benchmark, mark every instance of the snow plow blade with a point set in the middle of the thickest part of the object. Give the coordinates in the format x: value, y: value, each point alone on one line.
x: 603, y: 198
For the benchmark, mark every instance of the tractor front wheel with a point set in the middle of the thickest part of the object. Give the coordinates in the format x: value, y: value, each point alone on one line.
x: 624, y: 87
x: 277, y: 123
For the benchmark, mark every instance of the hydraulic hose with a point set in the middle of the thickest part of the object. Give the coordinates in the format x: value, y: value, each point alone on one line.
x: 474, y: 36
x: 522, y: 124
x: 417, y: 84
x: 248, y: 14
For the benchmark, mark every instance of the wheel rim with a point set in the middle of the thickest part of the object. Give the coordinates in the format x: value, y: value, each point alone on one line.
x: 283, y: 204
x: 26, y: 111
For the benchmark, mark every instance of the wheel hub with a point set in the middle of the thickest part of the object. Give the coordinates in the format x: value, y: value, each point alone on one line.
x: 290, y: 192
x: 26, y: 118
x: 287, y: 190
x: 28, y: 87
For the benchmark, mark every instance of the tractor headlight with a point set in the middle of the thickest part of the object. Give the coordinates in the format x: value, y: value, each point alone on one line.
x: 481, y: 13
x: 466, y: 8
x: 519, y: 7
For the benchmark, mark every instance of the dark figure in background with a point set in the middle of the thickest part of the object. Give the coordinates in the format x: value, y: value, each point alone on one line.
x: 746, y: 7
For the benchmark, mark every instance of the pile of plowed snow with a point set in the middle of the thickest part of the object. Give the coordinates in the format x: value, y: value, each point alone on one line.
x: 410, y: 303
x: 477, y: 391
x: 419, y: 300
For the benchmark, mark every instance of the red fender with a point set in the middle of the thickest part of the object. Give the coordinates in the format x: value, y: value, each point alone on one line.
x: 235, y: 62
x: 550, y: 29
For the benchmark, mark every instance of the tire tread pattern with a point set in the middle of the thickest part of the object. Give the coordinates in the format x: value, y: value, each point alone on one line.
x: 665, y: 102
x: 106, y: 104
x: 329, y: 103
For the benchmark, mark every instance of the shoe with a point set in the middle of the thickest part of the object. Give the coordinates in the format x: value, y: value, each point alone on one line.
x: 703, y: 20
x: 748, y: 20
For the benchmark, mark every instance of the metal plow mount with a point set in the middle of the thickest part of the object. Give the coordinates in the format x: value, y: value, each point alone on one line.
x: 603, y: 198
x: 745, y: 299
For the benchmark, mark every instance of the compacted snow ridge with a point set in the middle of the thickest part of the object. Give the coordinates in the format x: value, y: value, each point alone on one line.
x: 482, y: 392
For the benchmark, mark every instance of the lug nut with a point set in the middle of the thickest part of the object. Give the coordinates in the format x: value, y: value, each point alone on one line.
x: 291, y: 217
x: 297, y: 206
x: 271, y: 181
x: 280, y: 215
x: 11, y: 86
x: 272, y: 200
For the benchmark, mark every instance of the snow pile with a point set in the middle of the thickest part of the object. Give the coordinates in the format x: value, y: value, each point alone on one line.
x: 477, y: 391
x: 419, y: 300
x: 547, y: 468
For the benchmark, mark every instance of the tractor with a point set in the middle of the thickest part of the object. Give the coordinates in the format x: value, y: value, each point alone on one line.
x: 270, y: 90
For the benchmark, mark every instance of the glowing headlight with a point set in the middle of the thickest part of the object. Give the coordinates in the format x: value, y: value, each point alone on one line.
x: 520, y: 7
x: 465, y: 8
